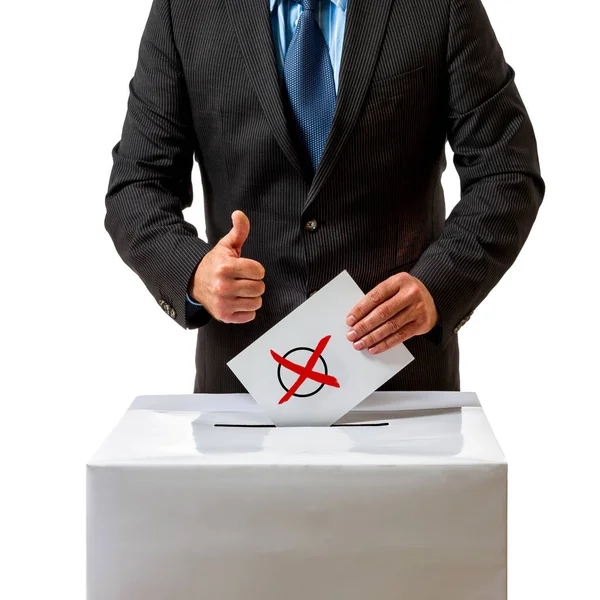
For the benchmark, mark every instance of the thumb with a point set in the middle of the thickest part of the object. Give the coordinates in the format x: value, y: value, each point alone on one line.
x: 238, y: 233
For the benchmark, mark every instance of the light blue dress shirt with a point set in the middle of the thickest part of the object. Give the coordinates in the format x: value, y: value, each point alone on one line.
x: 331, y: 17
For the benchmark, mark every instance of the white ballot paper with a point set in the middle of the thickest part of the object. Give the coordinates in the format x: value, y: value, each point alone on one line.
x: 304, y: 371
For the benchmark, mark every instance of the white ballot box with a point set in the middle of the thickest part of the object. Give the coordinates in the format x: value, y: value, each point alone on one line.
x: 198, y: 497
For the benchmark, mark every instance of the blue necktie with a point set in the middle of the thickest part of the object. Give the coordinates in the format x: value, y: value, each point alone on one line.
x: 309, y: 82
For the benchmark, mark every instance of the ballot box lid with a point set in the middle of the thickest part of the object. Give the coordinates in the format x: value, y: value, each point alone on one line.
x: 387, y: 428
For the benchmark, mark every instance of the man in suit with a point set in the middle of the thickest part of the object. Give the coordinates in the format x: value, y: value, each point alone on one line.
x: 319, y: 129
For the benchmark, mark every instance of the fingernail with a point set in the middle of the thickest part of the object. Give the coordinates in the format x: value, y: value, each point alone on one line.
x: 350, y: 320
x: 374, y: 350
x: 359, y: 345
x: 352, y: 335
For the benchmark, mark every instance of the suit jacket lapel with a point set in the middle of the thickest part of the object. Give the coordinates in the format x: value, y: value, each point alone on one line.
x: 365, y: 25
x: 251, y: 23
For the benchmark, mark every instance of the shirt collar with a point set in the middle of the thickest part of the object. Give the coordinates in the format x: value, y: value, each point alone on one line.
x: 340, y: 3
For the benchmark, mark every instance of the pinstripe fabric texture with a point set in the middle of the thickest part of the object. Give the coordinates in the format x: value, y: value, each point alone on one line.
x: 413, y: 74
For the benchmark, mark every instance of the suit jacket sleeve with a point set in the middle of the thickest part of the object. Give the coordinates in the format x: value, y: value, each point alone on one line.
x: 150, y: 182
x: 196, y: 313
x: 495, y: 155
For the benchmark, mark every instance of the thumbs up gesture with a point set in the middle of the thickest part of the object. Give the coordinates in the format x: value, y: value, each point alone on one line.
x: 229, y: 286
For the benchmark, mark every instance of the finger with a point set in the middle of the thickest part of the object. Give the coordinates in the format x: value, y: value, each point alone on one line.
x: 245, y: 304
x: 247, y: 288
x: 231, y: 310
x: 373, y: 298
x: 243, y: 268
x: 377, y: 317
x: 237, y: 235
x: 242, y: 317
x: 398, y: 337
x: 386, y: 329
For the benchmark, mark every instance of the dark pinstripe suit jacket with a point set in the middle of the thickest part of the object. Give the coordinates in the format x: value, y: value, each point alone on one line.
x: 413, y: 74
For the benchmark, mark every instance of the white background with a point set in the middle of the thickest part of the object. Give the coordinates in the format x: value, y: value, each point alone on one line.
x: 81, y: 336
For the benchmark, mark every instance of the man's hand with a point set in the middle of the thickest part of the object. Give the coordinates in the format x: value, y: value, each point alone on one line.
x: 229, y: 286
x: 392, y: 312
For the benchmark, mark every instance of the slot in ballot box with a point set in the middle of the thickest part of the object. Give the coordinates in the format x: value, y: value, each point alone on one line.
x: 198, y: 497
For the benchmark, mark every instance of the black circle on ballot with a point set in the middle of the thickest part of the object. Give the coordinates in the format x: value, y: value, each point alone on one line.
x: 311, y: 350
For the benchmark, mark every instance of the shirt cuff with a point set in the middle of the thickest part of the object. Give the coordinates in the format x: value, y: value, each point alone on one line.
x: 187, y: 297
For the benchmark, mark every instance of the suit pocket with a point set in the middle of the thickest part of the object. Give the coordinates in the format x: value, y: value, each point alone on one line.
x: 395, y: 85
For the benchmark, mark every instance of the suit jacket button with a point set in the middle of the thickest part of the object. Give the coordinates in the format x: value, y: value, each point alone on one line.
x: 172, y: 313
x: 311, y: 225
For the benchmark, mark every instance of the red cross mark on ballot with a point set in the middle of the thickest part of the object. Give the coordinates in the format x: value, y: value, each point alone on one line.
x: 306, y: 372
